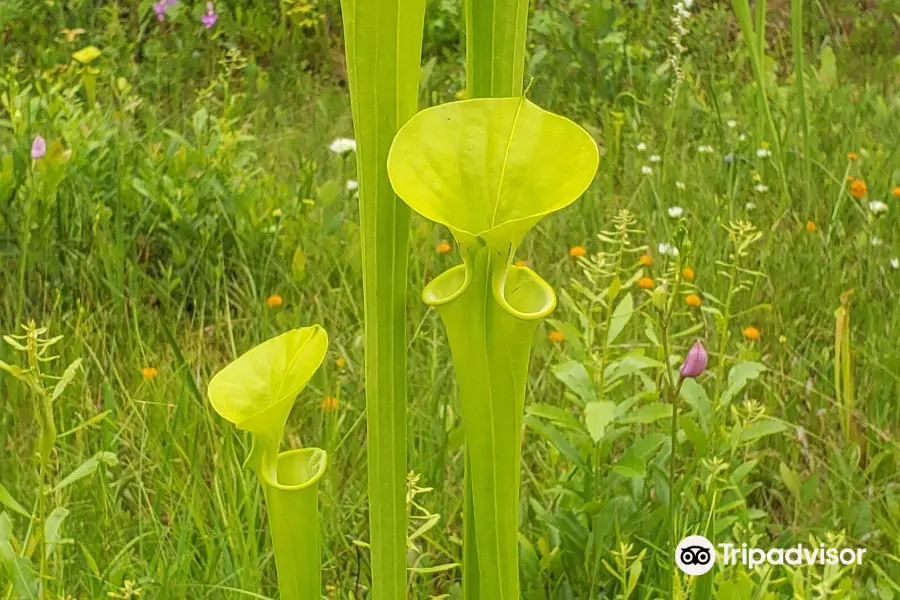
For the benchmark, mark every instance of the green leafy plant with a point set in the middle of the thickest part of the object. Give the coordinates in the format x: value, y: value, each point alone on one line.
x: 256, y: 393
x: 489, y: 170
x: 384, y: 46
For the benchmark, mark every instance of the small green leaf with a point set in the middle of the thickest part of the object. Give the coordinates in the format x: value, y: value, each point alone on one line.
x: 738, y: 377
x: 621, y: 316
x: 52, y: 528
x: 631, y: 466
x: 18, y: 568
x: 87, y: 468
x: 7, y: 500
x: 762, y: 429
x: 791, y: 481
x: 86, y: 55
x: 648, y: 414
x: 598, y: 415
x: 66, y: 379
x: 434, y: 569
x: 575, y: 377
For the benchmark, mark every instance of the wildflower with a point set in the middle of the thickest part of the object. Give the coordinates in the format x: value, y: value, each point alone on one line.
x: 858, y: 188
x: 680, y: 185
x: 810, y: 226
x: 728, y: 158
x: 160, y: 9
x: 443, y: 247
x: 277, y: 213
x: 274, y: 301
x: 339, y: 362
x: 876, y: 241
x: 742, y: 138
x: 343, y: 145
x: 149, y: 373
x: 706, y: 149
x: 38, y: 147
x: 675, y: 211
x: 756, y: 177
x: 750, y: 206
x: 71, y: 34
x: 645, y: 283
x: 782, y: 339
x: 642, y: 147
x: 646, y: 260
x: 655, y: 158
x: 688, y: 273
x: 895, y: 262
x: 667, y: 249
x: 763, y: 152
x: 693, y: 300
x: 761, y: 188
x: 210, y: 17
x: 352, y: 185
x: 695, y: 362
x: 557, y: 336
x: 521, y: 263
x: 751, y: 333
x: 878, y: 207
x: 851, y: 156
x: 329, y: 404
x: 896, y: 192
x: 646, y: 170
x: 731, y: 123
x: 850, y: 178
x: 577, y: 251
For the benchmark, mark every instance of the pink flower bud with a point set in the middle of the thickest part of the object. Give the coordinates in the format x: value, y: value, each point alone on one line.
x: 695, y: 362
x: 38, y: 147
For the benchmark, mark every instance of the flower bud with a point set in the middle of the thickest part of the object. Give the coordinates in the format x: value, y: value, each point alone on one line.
x: 38, y: 148
x: 695, y: 362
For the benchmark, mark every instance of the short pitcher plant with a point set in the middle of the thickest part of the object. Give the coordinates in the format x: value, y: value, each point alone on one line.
x: 489, y: 170
x: 256, y: 392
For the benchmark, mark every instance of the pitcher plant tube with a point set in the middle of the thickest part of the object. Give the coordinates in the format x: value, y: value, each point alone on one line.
x: 256, y: 393
x: 383, y: 39
x: 489, y: 170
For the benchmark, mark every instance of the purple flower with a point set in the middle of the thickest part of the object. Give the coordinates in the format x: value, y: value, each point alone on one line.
x: 38, y: 147
x: 695, y: 362
x: 160, y: 9
x: 209, y: 19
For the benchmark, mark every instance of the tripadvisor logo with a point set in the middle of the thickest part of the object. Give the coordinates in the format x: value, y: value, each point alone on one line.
x: 696, y: 555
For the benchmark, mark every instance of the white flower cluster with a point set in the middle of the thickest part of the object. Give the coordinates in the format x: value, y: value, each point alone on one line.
x: 878, y: 207
x: 667, y: 249
x: 343, y: 145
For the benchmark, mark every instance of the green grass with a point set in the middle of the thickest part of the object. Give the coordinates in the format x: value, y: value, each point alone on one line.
x: 160, y: 247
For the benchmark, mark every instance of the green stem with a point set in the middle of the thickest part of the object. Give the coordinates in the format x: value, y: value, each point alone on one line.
x: 292, y: 502
x: 491, y: 311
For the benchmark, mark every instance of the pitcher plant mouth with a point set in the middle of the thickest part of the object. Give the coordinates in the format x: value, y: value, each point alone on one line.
x: 298, y: 469
x: 518, y: 290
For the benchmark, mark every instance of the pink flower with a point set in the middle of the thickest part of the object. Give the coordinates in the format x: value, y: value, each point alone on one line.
x: 209, y: 19
x: 695, y: 362
x: 160, y: 9
x: 38, y: 147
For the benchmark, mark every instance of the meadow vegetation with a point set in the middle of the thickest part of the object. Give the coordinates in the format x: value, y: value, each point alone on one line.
x: 196, y: 195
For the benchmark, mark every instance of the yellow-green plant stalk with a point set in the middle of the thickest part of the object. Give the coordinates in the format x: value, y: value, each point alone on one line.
x: 256, y: 392
x: 489, y: 170
x: 495, y: 47
x: 383, y: 40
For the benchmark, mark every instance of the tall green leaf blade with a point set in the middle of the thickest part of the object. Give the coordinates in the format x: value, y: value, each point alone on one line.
x: 23, y: 579
x: 384, y: 45
x: 495, y: 47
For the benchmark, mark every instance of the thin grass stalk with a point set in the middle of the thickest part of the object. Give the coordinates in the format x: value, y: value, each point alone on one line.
x: 384, y: 46
x: 799, y: 74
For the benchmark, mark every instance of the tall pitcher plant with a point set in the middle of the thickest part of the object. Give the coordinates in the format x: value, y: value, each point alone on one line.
x: 383, y: 40
x: 489, y: 170
x: 256, y: 393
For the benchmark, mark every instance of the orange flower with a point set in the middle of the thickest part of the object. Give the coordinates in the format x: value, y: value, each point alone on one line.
x: 751, y: 333
x: 646, y: 260
x: 577, y: 251
x: 810, y: 226
x: 149, y: 373
x: 852, y: 156
x: 645, y: 283
x: 858, y: 188
x: 688, y: 273
x: 443, y: 247
x: 557, y: 336
x: 329, y: 403
x: 896, y: 192
x: 521, y: 263
x: 693, y: 300
x: 850, y: 177
x: 274, y: 301
x: 340, y: 362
